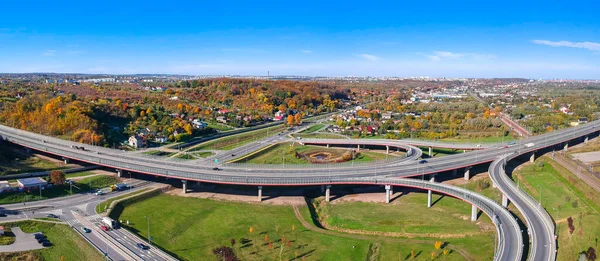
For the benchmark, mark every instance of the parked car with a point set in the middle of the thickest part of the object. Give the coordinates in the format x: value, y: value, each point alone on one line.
x: 46, y: 244
x: 41, y: 240
x: 39, y: 235
x: 51, y: 216
x: 86, y: 230
x: 142, y: 246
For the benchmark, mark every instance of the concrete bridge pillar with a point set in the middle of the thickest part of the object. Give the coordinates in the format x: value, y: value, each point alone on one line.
x: 259, y: 193
x: 66, y: 161
x: 327, y: 145
x: 327, y: 192
x: 358, y: 147
x: 429, y: 198
x: 467, y: 173
x: 119, y: 173
x: 387, y: 193
x: 387, y: 149
x: 586, y: 139
x: 566, y: 147
x: 431, y: 152
x: 532, y: 157
x: 504, y: 201
x: 185, y: 182
x: 464, y: 151
x: 474, y: 212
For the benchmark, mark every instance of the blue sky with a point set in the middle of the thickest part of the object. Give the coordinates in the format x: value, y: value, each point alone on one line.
x: 545, y: 39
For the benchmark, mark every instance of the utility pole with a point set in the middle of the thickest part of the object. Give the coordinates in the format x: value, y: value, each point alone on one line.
x: 149, y: 240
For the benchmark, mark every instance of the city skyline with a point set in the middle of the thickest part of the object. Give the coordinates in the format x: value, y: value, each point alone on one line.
x: 530, y: 40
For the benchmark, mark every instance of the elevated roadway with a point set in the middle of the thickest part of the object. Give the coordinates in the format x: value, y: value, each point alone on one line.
x: 378, y: 174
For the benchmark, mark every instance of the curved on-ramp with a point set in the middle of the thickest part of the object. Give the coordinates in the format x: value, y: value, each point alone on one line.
x: 540, y: 226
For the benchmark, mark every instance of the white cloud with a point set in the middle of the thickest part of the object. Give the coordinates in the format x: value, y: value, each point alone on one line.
x: 369, y: 57
x: 49, y: 53
x: 307, y: 51
x: 445, y: 55
x: 583, y: 45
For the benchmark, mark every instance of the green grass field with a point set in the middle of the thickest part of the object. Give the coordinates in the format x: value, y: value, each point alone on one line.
x: 283, y: 151
x: 14, y: 160
x: 8, y: 237
x: 159, y: 153
x: 313, y: 128
x: 491, y: 139
x: 408, y: 214
x: 318, y: 136
x: 79, y: 174
x: 234, y: 141
x: 439, y: 152
x: 218, y: 126
x: 564, y: 196
x: 85, y: 184
x: 101, y: 208
x: 66, y: 243
x: 203, y: 224
x: 203, y: 154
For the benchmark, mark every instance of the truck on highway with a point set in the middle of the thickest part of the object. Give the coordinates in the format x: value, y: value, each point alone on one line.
x: 529, y: 145
x: 109, y: 222
x: 119, y: 187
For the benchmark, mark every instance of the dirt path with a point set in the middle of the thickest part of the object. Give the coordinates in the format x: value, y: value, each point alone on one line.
x: 313, y: 228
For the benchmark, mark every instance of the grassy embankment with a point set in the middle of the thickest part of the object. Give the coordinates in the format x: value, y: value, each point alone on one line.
x: 234, y: 141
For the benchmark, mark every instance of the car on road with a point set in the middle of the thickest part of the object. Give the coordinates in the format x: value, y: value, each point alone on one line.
x: 215, y: 168
x: 2, y: 214
x: 232, y: 155
x: 51, y: 216
x: 512, y: 143
x: 100, y: 193
x: 142, y: 246
x: 86, y: 230
x: 422, y: 161
x: 104, y: 228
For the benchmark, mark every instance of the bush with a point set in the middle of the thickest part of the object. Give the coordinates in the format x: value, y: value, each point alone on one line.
x: 483, y: 184
x: 575, y: 204
x: 224, y: 253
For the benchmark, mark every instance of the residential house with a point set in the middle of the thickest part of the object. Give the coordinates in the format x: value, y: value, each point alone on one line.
x: 386, y: 115
x: 199, y: 124
x: 137, y: 141
x: 221, y: 119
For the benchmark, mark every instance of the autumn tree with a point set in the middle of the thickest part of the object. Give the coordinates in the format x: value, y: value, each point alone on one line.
x: 438, y: 244
x: 298, y: 119
x: 290, y: 120
x: 57, y: 177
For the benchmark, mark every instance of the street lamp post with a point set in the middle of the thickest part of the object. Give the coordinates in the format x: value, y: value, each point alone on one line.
x: 149, y: 240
